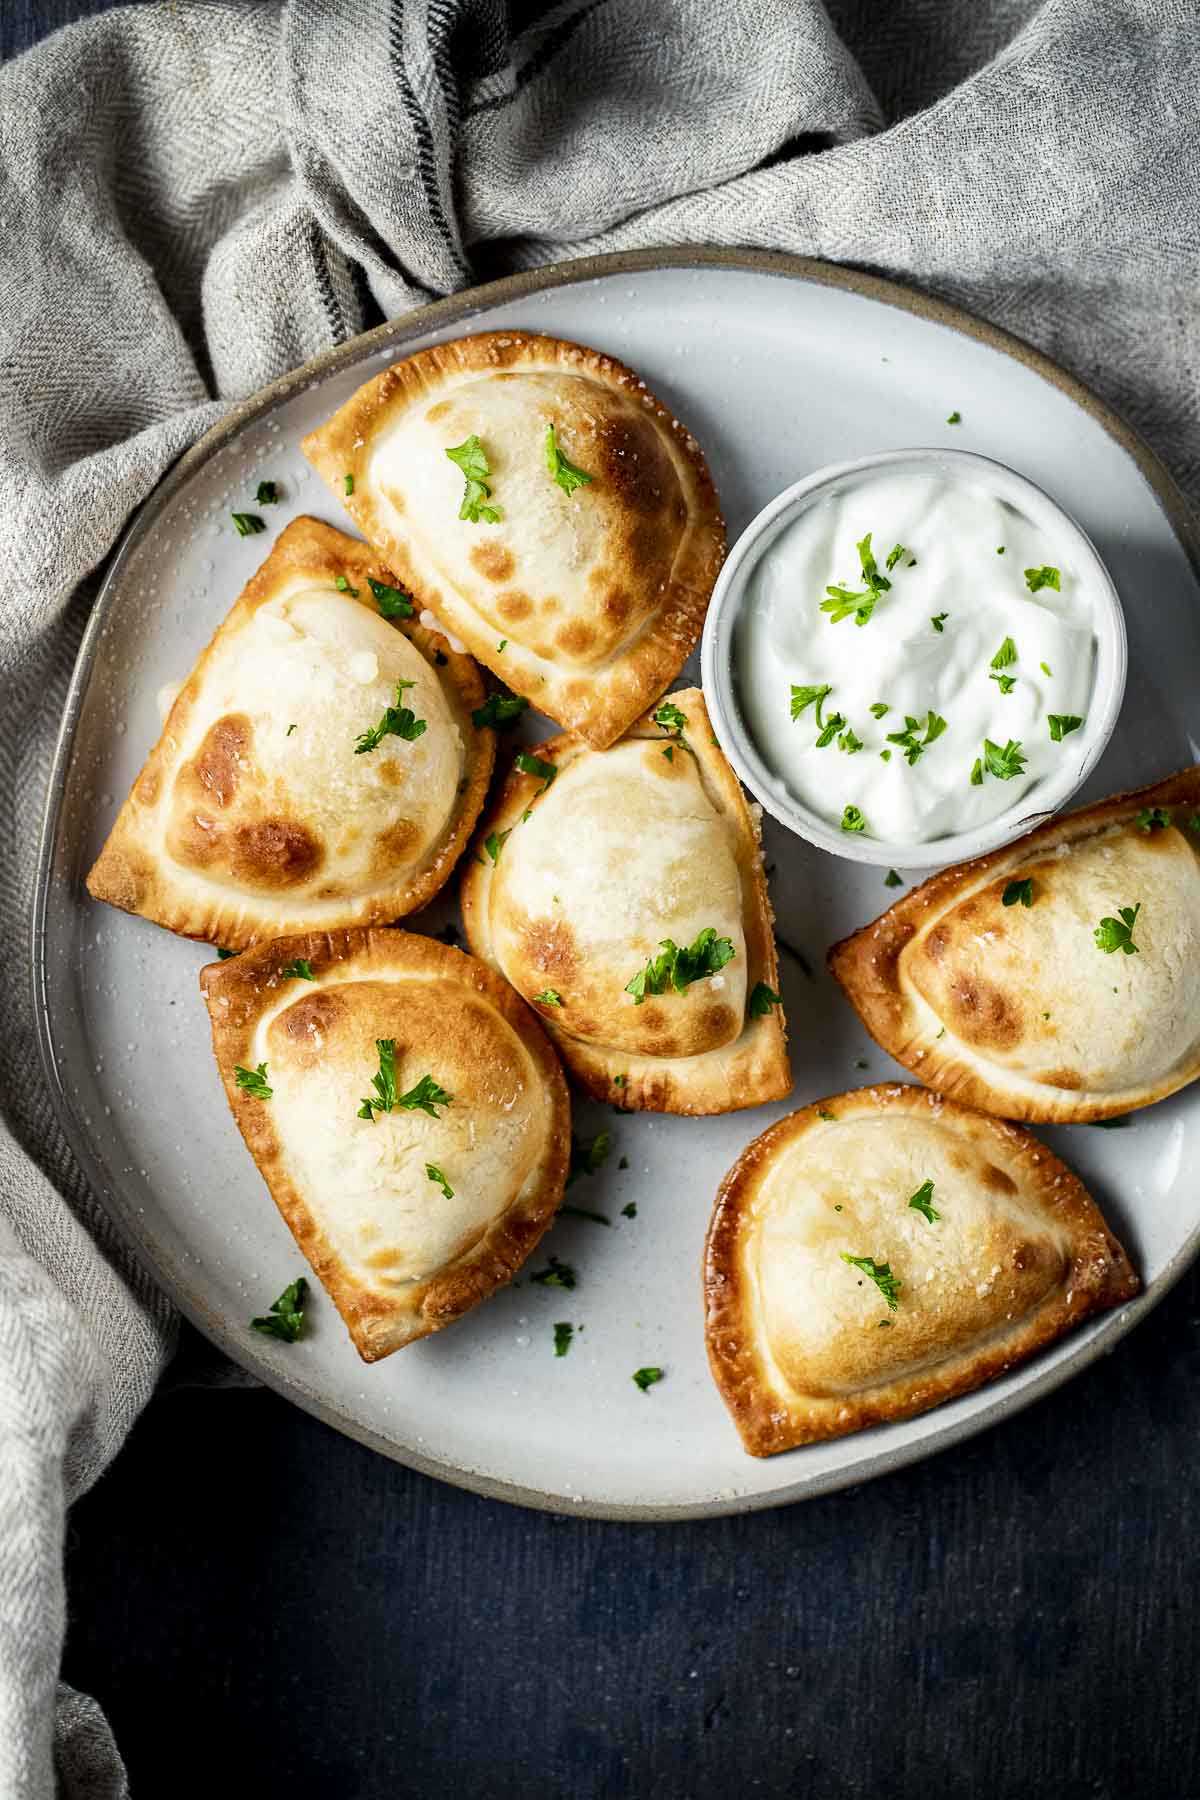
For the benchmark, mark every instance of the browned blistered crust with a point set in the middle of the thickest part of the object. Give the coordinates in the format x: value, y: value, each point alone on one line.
x: 870, y: 965
x: 600, y: 703
x: 239, y: 991
x: 771, y: 1416
x: 751, y: 1070
x: 134, y: 872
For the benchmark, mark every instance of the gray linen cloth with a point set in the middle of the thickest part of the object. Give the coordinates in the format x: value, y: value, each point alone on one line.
x: 195, y: 198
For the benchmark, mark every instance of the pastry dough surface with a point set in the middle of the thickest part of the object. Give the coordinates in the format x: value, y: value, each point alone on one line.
x: 254, y: 815
x: 588, y: 602
x: 1015, y: 1009
x: 804, y: 1345
x: 398, y: 1256
x: 628, y: 847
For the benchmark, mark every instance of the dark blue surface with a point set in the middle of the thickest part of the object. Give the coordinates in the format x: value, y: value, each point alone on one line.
x: 264, y: 1607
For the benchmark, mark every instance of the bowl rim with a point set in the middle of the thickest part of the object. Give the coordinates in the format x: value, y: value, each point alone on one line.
x: 1039, y: 803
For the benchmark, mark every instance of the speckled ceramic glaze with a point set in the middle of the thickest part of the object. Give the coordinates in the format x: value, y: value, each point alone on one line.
x: 778, y: 367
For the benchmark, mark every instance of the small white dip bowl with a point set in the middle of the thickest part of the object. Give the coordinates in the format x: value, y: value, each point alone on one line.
x: 720, y: 672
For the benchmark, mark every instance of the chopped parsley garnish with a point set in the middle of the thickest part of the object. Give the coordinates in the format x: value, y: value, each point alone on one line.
x: 472, y: 460
x: 1004, y: 763
x: 912, y: 746
x: 843, y: 601
x: 426, y: 1096
x: 499, y: 711
x: 878, y: 708
x: 629, y: 1210
x: 248, y: 524
x: 548, y: 997
x: 619, y: 1080
x: 922, y: 1202
x: 435, y: 1174
x: 528, y: 764
x: 1153, y: 818
x: 1047, y: 670
x: 894, y: 555
x: 495, y: 841
x: 556, y: 1274
x: 1061, y: 724
x: 565, y: 473
x: 1117, y: 934
x: 803, y: 697
x: 1043, y: 577
x: 349, y: 483
x: 762, y: 999
x: 299, y: 970
x: 880, y: 1273
x: 390, y: 601
x: 285, y: 1315
x: 253, y: 1081
x: 384, y: 1083
x: 563, y: 1333
x: 892, y: 879
x: 828, y: 728
x: 1006, y: 655
x: 955, y: 418
x: 226, y: 954
x: 397, y: 721
x: 938, y: 621
x: 1018, y: 893
x: 343, y: 586
x: 267, y: 494
x: 502, y: 646
x: 588, y: 1154
x: 1193, y: 824
x: 853, y: 820
x: 671, y: 719
x: 870, y: 568
x: 581, y: 1212
x: 999, y: 549
x: 823, y: 1112
x: 1004, y: 658
x: 289, y: 731
x: 680, y: 965
x: 646, y: 1378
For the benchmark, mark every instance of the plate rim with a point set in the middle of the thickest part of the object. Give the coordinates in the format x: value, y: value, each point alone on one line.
x: 461, y: 306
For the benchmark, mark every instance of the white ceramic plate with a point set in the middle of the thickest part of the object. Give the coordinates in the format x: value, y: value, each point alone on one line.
x: 778, y: 366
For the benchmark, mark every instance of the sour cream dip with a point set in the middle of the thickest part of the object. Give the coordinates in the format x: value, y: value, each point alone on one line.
x: 915, y: 650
